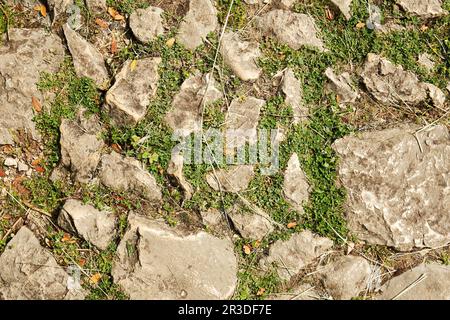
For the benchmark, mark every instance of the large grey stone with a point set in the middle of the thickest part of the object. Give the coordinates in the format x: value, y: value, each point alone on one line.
x: 146, y: 24
x: 196, y: 92
x: 155, y: 261
x: 398, y: 186
x: 30, y: 272
x: 290, y: 256
x: 81, y: 146
x: 347, y: 276
x: 200, y: 20
x: 423, y: 8
x: 342, y: 85
x: 134, y: 86
x: 293, y: 29
x: 241, y: 56
x: 435, y: 284
x: 87, y: 60
x: 292, y: 89
x: 295, y: 186
x: 97, y: 227
x: 232, y: 179
x: 126, y: 174
x: 390, y: 84
x: 27, y: 53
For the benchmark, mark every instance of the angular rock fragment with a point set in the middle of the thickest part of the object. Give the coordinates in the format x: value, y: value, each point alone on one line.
x: 426, y: 61
x: 94, y: 226
x: 200, y: 20
x: 290, y: 256
x: 59, y: 7
x: 175, y: 170
x: 390, y: 84
x: 126, y: 174
x: 22, y: 59
x: 251, y: 224
x: 87, y: 60
x: 81, y: 146
x: 398, y: 186
x: 423, y: 8
x: 96, y: 6
x: 293, y: 29
x: 241, y: 122
x: 435, y: 284
x: 146, y: 24
x: 436, y: 95
x: 155, y: 261
x: 347, y: 276
x: 241, y: 56
x: 342, y: 85
x: 295, y: 186
x: 134, y: 86
x: 344, y: 6
x: 292, y: 89
x: 196, y: 92
x: 29, y: 272
x: 233, y: 179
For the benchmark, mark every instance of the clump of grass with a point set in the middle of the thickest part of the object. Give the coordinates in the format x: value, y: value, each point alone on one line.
x: 238, y: 15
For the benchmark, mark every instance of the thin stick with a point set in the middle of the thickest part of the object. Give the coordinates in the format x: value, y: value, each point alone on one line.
x: 412, y: 285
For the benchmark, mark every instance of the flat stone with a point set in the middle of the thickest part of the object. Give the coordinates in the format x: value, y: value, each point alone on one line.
x: 436, y: 95
x: 126, y: 174
x: 241, y: 56
x: 96, y: 6
x: 81, y: 146
x: 6, y: 137
x: 147, y: 24
x: 390, y: 84
x: 196, y: 92
x: 10, y: 162
x: 29, y: 272
x: 22, y: 167
x: 344, y: 6
x: 134, y: 86
x: 398, y: 186
x: 343, y: 86
x: 295, y: 30
x: 87, y: 60
x: 233, y: 179
x: 95, y: 226
x: 388, y: 27
x: 290, y: 256
x: 175, y: 170
x: 242, y: 122
x: 347, y: 276
x: 200, y: 20
x: 28, y: 53
x: 426, y: 61
x: 292, y: 89
x: 295, y: 186
x: 423, y: 8
x: 251, y: 224
x: 435, y: 285
x: 157, y: 262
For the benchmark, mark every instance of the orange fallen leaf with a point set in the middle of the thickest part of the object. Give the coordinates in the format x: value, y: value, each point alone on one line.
x: 39, y: 169
x: 257, y: 244
x: 117, y: 148
x: 247, y: 249
x: 115, y: 14
x: 36, y: 104
x: 41, y: 8
x: 261, y: 291
x: 113, y: 46
x: 66, y: 237
x: 95, y: 278
x: 329, y: 14
x: 360, y: 25
x: 35, y: 162
x: 81, y: 262
x: 292, y: 225
x: 101, y: 23
x: 2, y: 173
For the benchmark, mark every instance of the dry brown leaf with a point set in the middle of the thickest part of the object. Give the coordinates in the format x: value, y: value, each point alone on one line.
x: 329, y: 14
x: 95, y: 278
x: 2, y: 173
x: 257, y: 244
x: 81, y: 262
x: 261, y: 291
x: 39, y: 169
x: 115, y: 14
x: 247, y: 249
x: 116, y: 148
x: 424, y: 28
x: 36, y: 104
x: 101, y: 23
x: 113, y: 46
x: 292, y: 225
